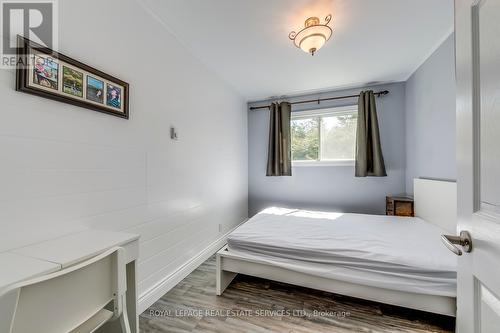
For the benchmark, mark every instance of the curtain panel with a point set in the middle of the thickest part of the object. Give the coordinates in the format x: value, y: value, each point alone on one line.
x: 279, y: 153
x: 369, y: 158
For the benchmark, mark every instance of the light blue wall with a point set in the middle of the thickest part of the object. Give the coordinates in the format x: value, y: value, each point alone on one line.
x: 417, y: 124
x: 430, y: 117
x: 327, y: 187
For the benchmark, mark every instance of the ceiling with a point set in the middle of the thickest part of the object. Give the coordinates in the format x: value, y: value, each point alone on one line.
x: 246, y: 42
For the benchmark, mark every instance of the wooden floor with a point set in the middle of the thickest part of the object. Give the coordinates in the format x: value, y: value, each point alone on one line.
x: 255, y: 305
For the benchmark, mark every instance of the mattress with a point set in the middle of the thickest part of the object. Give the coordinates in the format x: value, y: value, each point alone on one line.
x: 398, y: 253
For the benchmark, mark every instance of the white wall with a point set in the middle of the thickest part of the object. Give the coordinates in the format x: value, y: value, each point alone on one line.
x: 330, y: 187
x: 430, y: 117
x: 64, y: 167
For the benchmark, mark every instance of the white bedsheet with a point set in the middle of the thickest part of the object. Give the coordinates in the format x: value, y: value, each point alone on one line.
x: 390, y: 252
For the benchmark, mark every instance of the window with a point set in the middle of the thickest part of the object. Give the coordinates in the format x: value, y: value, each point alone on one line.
x: 325, y: 136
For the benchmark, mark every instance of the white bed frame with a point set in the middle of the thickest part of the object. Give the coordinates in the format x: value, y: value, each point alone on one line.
x: 435, y: 202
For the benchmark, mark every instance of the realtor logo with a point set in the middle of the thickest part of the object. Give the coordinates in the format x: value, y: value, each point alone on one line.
x: 35, y: 20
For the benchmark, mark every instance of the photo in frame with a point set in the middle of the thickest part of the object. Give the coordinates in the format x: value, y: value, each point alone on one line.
x: 47, y: 73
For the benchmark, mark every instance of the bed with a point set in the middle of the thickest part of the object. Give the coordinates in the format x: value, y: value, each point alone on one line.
x: 393, y: 260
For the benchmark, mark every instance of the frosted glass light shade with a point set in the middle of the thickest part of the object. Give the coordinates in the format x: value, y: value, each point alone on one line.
x: 313, y: 36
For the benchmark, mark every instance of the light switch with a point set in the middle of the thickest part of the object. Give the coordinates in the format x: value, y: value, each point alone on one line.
x: 173, y: 134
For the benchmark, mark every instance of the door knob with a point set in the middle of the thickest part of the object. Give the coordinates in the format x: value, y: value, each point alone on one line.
x: 463, y: 240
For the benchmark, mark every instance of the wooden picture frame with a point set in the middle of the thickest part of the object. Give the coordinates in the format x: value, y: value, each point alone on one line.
x: 50, y: 74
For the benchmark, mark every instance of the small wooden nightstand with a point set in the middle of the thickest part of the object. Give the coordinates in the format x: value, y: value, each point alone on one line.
x: 399, y: 205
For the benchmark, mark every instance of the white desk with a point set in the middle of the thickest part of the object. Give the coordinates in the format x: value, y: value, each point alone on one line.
x: 16, y: 268
x: 21, y: 263
x: 71, y: 249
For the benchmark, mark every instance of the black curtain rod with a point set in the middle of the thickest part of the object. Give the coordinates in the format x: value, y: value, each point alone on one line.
x: 378, y: 94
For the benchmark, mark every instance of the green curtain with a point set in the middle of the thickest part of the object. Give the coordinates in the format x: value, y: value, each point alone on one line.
x: 369, y: 159
x: 279, y: 153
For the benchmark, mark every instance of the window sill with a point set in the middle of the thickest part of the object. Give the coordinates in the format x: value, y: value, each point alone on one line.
x: 346, y: 163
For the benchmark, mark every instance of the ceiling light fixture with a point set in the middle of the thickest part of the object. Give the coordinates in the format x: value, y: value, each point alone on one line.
x: 313, y: 36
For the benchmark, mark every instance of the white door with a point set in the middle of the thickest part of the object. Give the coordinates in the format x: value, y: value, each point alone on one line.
x: 477, y: 33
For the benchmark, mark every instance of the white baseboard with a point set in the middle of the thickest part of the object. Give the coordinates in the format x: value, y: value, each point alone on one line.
x: 149, y: 297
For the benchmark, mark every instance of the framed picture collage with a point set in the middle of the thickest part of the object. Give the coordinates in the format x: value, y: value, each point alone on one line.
x: 50, y: 74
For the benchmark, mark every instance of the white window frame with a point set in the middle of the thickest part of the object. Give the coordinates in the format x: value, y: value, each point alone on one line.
x: 335, y: 111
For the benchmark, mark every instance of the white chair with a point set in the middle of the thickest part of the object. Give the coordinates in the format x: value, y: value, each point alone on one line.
x: 74, y: 300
